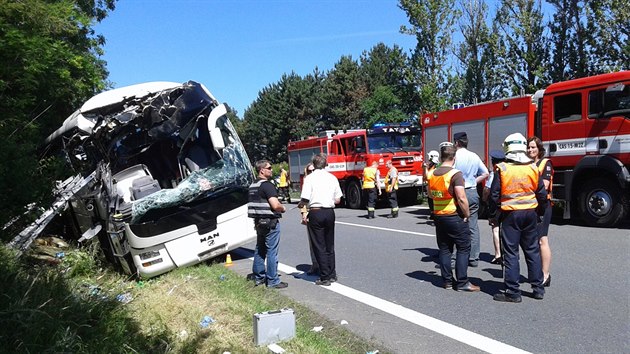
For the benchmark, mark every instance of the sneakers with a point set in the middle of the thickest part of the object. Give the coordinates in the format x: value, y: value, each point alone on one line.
x: 507, y: 298
x: 280, y: 285
x: 538, y: 296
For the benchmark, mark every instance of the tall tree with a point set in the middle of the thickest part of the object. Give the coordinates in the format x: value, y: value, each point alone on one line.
x: 343, y: 92
x: 523, y: 33
x: 608, y: 23
x: 384, y: 69
x: 432, y: 22
x: 50, y: 64
x: 478, y: 53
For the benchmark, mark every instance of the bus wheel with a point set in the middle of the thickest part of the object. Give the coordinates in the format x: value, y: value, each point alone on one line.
x: 600, y: 203
x: 353, y: 195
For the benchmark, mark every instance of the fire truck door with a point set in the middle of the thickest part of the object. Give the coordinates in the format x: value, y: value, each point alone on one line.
x: 566, y: 130
x: 356, y: 157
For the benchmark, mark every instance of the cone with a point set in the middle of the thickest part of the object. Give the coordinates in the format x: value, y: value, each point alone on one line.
x: 228, y: 260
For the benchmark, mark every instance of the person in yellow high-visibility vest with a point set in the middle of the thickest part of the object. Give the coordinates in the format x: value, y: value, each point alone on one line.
x: 391, y: 187
x: 283, y: 185
x: 371, y: 187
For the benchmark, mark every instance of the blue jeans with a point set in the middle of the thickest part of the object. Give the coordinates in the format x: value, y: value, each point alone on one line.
x: 267, y: 243
x: 473, y: 206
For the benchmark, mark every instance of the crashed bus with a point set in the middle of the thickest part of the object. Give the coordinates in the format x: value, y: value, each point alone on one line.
x: 162, y: 178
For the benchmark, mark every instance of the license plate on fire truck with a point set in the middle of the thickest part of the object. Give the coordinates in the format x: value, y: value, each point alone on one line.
x: 404, y: 173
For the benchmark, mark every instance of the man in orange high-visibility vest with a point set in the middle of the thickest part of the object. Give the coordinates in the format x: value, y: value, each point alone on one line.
x: 517, y: 197
x: 450, y: 210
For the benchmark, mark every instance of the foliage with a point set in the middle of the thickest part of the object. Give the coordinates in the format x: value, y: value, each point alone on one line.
x: 50, y: 309
x: 589, y: 37
x: 527, y: 49
x: 432, y: 23
x: 50, y: 64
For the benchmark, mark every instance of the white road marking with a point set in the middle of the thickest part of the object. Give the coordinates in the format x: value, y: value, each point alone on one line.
x: 384, y: 228
x: 433, y: 324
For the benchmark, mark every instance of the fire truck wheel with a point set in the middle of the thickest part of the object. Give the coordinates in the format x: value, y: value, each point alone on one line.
x: 353, y: 195
x: 600, y: 203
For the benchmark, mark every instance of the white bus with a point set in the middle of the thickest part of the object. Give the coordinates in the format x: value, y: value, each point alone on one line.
x: 164, y: 176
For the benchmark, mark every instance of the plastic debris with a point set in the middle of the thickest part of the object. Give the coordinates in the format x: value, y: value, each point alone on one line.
x: 183, y: 334
x: 222, y: 277
x: 206, y: 321
x: 275, y: 349
x: 372, y: 352
x: 317, y: 329
x: 343, y: 322
x: 124, y: 298
x: 60, y: 255
x: 140, y: 284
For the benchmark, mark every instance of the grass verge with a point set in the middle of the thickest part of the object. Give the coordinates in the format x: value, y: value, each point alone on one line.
x: 76, y: 306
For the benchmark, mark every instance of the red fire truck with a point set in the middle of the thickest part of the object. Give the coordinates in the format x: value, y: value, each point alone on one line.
x: 349, y: 152
x: 585, y: 128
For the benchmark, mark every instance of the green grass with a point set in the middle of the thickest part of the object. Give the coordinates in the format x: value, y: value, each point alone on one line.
x: 73, y: 307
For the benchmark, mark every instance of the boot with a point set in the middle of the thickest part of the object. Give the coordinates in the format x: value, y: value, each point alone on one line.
x: 393, y: 215
x: 370, y: 214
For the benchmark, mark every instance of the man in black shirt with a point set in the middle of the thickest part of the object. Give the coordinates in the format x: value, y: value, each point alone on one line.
x: 266, y: 210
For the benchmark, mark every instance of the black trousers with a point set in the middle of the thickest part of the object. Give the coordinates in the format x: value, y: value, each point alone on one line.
x: 393, y: 199
x: 371, y: 195
x: 321, y: 224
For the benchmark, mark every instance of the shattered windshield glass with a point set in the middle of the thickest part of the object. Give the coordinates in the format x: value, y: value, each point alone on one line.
x: 233, y: 170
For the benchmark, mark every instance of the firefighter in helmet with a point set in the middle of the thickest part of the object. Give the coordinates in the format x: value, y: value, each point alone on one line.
x: 517, y: 198
x: 433, y: 160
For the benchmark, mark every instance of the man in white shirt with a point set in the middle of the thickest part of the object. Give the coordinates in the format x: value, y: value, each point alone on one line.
x: 321, y: 192
x: 474, y: 172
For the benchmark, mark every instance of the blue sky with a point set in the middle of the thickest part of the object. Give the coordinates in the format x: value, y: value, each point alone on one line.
x: 238, y: 47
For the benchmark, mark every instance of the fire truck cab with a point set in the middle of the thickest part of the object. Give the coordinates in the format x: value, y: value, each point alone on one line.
x: 351, y: 151
x: 584, y: 125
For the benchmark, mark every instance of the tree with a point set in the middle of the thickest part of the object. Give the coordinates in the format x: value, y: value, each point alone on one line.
x: 432, y: 23
x: 50, y: 65
x: 343, y: 92
x: 478, y: 55
x: 383, y: 67
x: 522, y: 33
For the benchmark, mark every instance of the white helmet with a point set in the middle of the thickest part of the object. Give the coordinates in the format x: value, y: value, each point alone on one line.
x: 515, y: 143
x: 434, y: 156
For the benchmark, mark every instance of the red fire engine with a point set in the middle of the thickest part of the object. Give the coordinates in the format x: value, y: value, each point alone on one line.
x: 349, y: 152
x: 585, y: 128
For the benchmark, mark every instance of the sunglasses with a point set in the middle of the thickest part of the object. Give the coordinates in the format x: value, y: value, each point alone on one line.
x: 267, y: 168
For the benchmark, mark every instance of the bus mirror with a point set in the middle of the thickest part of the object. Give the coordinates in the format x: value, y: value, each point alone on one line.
x: 215, y: 133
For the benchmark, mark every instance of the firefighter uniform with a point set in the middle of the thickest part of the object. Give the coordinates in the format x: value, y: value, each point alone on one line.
x: 283, y: 185
x: 370, y: 187
x: 517, y: 194
x: 391, y: 187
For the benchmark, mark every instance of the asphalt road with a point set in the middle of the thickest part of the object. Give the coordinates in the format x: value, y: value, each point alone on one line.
x: 389, y: 289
